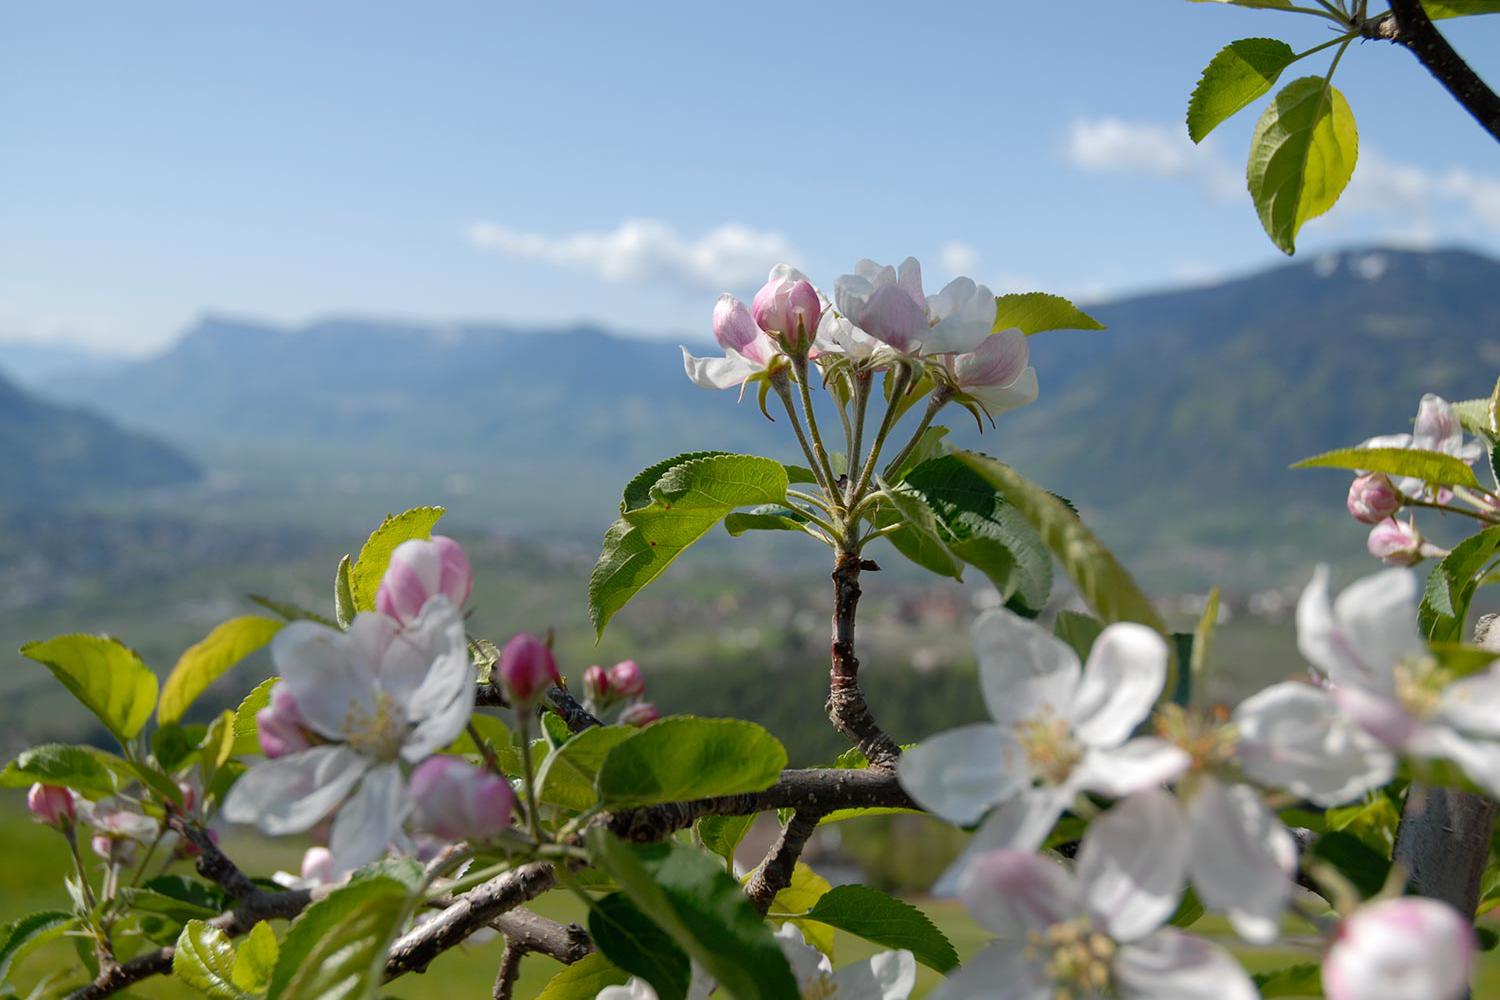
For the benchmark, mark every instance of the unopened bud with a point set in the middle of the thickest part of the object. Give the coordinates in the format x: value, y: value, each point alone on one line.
x: 627, y: 680
x: 1397, y: 543
x: 51, y: 805
x: 596, y: 685
x: 526, y: 669
x: 640, y: 714
x: 317, y: 866
x: 420, y: 569
x: 1373, y: 498
x: 457, y: 801
x: 280, y: 725
x: 788, y: 306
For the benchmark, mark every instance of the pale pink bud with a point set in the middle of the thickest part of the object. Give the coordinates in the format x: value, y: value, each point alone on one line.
x: 51, y: 804
x: 788, y: 305
x: 457, y: 801
x: 596, y: 684
x: 627, y: 680
x: 1400, y: 544
x: 1400, y: 949
x: 280, y: 725
x: 317, y: 866
x: 640, y: 714
x: 420, y: 569
x: 526, y: 669
x: 1373, y: 498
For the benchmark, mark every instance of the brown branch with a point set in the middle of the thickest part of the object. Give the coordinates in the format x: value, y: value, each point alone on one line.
x: 508, y: 973
x: 471, y: 911
x: 846, y: 703
x: 526, y: 932
x: 1407, y: 24
x: 560, y: 698
x: 775, y: 872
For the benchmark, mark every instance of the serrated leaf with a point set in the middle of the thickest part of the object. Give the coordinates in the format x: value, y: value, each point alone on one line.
x: 255, y: 959
x: 799, y: 474
x: 75, y: 767
x: 343, y: 594
x: 688, y: 895
x: 806, y: 888
x: 291, y: 612
x: 1301, y: 157
x: 683, y: 757
x: 207, y: 660
x: 1451, y: 585
x: 246, y: 735
x: 584, y: 979
x: 1241, y: 72
x: 204, y: 960
x: 917, y: 536
x: 636, y: 944
x: 336, y: 949
x: 1439, y: 9
x: 1430, y: 466
x: 886, y: 920
x: 1037, y: 312
x: 685, y: 502
x: 20, y: 936
x: 766, y: 517
x: 178, y: 896
x: 722, y: 835
x: 566, y: 778
x: 105, y: 675
x: 637, y: 493
x: 375, y: 556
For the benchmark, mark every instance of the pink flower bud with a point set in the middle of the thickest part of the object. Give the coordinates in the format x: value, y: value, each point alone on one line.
x: 103, y: 845
x: 317, y: 866
x: 1373, y: 498
x: 788, y: 305
x: 626, y: 678
x: 280, y: 725
x: 420, y: 569
x: 1397, y: 543
x: 526, y: 669
x: 1409, y: 947
x: 596, y: 684
x: 639, y: 715
x: 457, y: 801
x: 51, y: 804
x: 189, y: 796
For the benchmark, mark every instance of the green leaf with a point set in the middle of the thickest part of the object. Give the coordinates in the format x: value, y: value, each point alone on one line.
x: 343, y: 594
x: 1302, y: 980
x: 1439, y: 9
x: 1430, y: 466
x: 874, y: 916
x: 584, y: 979
x: 375, y: 556
x: 690, y: 896
x: 1078, y: 630
x: 798, y: 475
x: 204, y: 960
x: 917, y: 538
x: 1451, y: 586
x: 1357, y: 861
x: 566, y: 778
x: 174, y: 746
x: 179, y: 897
x: 337, y: 947
x: 1189, y: 909
x: 684, y: 757
x: 291, y: 612
x: 687, y: 500
x: 1241, y: 72
x: 246, y: 736
x: 928, y: 447
x: 207, y: 660
x: 722, y: 835
x: 806, y: 888
x: 636, y: 944
x: 637, y: 493
x: 20, y: 936
x: 767, y: 517
x: 107, y: 676
x: 75, y: 767
x: 1301, y: 157
x: 1037, y: 312
x: 255, y: 960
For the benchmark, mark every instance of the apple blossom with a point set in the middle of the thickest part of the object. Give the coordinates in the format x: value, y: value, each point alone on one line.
x: 640, y: 714
x: 789, y: 307
x: 1399, y: 543
x: 1400, y: 949
x: 626, y: 678
x: 596, y: 685
x: 51, y: 804
x: 526, y: 669
x: 888, y: 304
x: 1437, y: 428
x: 1059, y: 729
x: 420, y: 568
x: 317, y: 870
x: 995, y: 374
x: 1086, y: 934
x: 1385, y: 679
x: 280, y: 726
x: 379, y: 695
x: 457, y: 801
x: 119, y: 828
x: 1373, y: 498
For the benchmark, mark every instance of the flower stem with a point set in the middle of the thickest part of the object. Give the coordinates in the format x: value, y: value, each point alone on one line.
x: 799, y: 365
x: 861, y: 382
x: 898, y: 392
x: 528, y: 779
x: 784, y: 393
x: 937, y: 402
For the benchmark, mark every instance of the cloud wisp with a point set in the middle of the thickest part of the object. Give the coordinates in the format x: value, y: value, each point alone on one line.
x: 1112, y: 145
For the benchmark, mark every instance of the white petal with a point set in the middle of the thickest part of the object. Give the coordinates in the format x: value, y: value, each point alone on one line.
x: 1001, y: 972
x: 1021, y: 823
x: 444, y: 702
x: 326, y: 675
x: 1132, y: 865
x: 1378, y: 617
x: 291, y: 793
x: 717, y: 373
x: 890, y: 975
x: 1294, y: 737
x: 808, y: 963
x: 961, y: 773
x: 1473, y: 704
x: 1144, y: 762
x: 635, y: 988
x: 1400, y: 949
x: 1023, y: 668
x: 370, y: 819
x: 1121, y: 681
x: 998, y: 399
x: 1010, y: 893
x: 1479, y: 758
x: 1170, y: 965
x: 1241, y: 858
x: 969, y: 316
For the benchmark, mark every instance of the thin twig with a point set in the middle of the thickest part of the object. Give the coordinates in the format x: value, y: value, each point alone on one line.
x: 1407, y: 24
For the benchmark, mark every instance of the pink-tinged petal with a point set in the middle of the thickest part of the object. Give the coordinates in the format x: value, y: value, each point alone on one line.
x: 456, y: 582
x: 1437, y: 427
x: 1295, y: 737
x: 998, y: 361
x: 526, y: 669
x: 51, y: 804
x: 1380, y: 715
x: 998, y: 399
x: 1358, y: 639
x: 1242, y: 859
x: 909, y: 277
x: 325, y: 673
x: 626, y: 679
x: 405, y: 586
x: 1024, y: 670
x: 891, y: 317
x: 734, y: 326
x: 959, y: 774
x: 370, y: 820
x: 290, y: 794
x: 852, y: 291
x: 280, y: 726
x: 455, y: 800
x: 1012, y: 892
x: 1171, y: 965
x: 717, y: 373
x: 1478, y: 758
x: 1142, y: 763
x: 1020, y: 823
x: 1396, y: 543
x: 1132, y: 864
x: 444, y: 701
x: 1400, y: 949
x: 965, y: 314
x: 1472, y: 704
x: 1004, y: 970
x: 1121, y: 681
x: 951, y: 299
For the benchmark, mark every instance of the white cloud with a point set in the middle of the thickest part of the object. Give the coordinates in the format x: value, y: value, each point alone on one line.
x: 958, y: 258
x: 1112, y: 145
x: 648, y: 251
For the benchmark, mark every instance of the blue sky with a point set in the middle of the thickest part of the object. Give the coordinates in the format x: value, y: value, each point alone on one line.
x: 622, y: 163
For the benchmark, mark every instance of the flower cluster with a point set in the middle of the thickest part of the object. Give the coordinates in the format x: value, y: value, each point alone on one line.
x: 618, y: 694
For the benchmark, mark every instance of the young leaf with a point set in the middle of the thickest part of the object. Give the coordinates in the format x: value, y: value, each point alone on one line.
x: 1439, y: 9
x: 636, y: 944
x: 1451, y: 586
x: 1241, y: 72
x: 767, y: 517
x: 255, y: 959
x: 343, y: 594
x: 917, y: 536
x: 1430, y: 466
x: 806, y: 888
x: 637, y: 493
x: 337, y: 947
x: 566, y: 778
x: 683, y: 757
x: 75, y: 767
x: 291, y: 612
x: 689, y: 499
x: 584, y: 979
x: 874, y: 916
x: 722, y: 835
x: 690, y: 896
x: 1037, y: 312
x: 207, y: 660
x: 20, y: 936
x: 246, y: 735
x: 375, y: 556
x: 107, y: 676
x: 204, y: 960
x: 1301, y: 157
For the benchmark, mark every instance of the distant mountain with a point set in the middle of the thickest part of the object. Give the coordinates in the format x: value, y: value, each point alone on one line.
x: 32, y: 363
x: 1193, y: 403
x: 54, y: 455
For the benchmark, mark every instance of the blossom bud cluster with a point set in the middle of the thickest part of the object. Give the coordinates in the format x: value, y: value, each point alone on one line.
x: 618, y: 693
